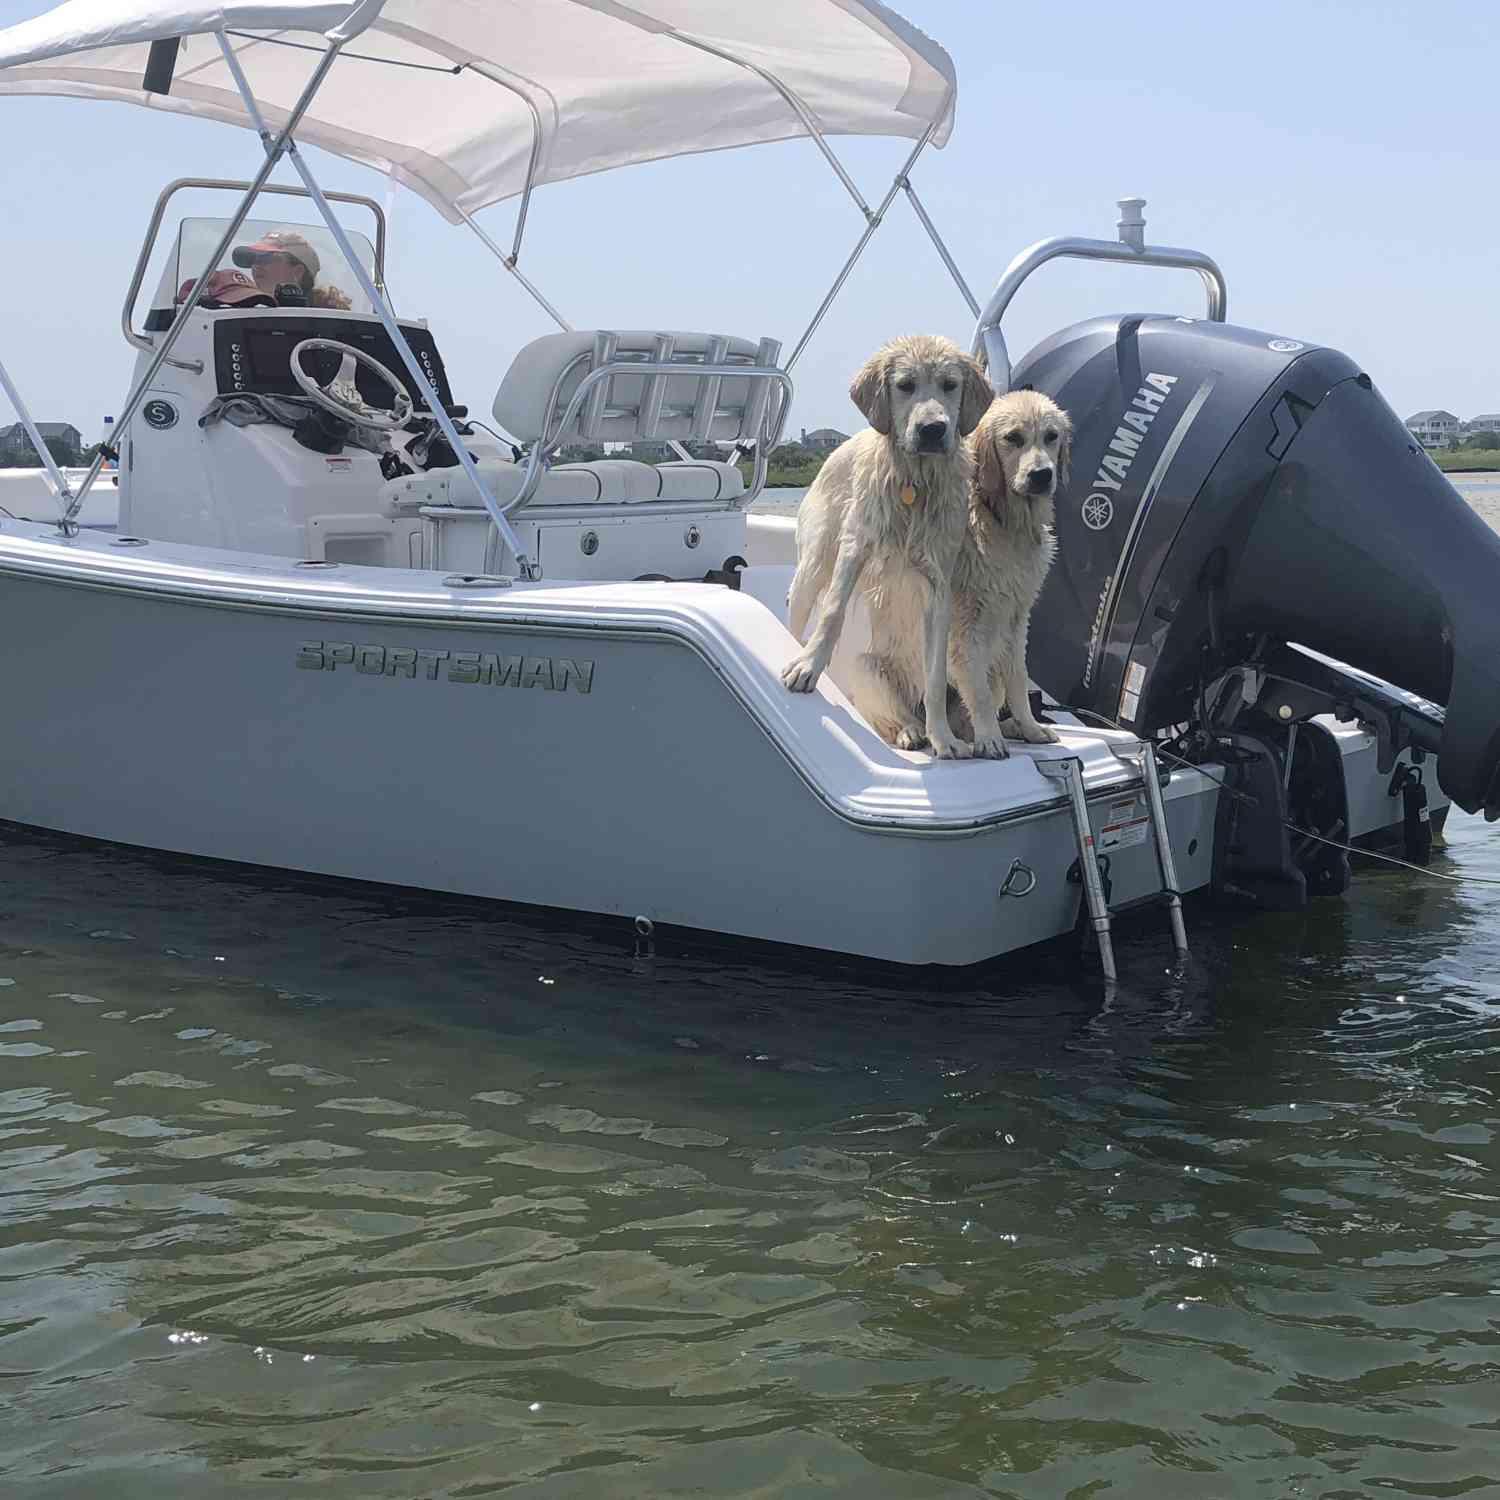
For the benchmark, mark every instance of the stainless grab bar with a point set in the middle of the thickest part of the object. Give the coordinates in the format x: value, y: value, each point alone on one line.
x: 766, y: 425
x: 989, y: 345
x: 139, y: 340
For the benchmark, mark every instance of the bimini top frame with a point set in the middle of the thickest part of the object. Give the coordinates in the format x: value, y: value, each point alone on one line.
x: 835, y: 66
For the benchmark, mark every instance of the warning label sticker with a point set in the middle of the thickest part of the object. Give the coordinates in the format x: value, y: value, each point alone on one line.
x: 1130, y: 693
x: 1125, y: 824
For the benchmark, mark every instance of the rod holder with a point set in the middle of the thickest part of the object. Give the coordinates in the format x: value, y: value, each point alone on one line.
x: 1132, y: 225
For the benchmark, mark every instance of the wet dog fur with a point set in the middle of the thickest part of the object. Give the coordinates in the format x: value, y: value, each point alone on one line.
x: 1021, y: 450
x: 888, y: 514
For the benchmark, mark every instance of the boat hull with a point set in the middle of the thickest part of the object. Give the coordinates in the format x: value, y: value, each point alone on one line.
x: 625, y: 751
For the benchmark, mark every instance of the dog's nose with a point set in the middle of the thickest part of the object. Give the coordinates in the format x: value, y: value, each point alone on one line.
x: 1039, y: 481
x: 932, y: 434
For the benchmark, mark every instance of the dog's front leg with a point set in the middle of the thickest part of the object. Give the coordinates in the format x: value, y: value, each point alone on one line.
x: 971, y: 663
x: 945, y: 744
x: 801, y: 673
x: 1020, y: 722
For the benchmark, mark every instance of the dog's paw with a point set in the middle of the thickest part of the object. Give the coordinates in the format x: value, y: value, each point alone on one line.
x: 990, y: 747
x: 1032, y: 733
x: 801, y: 674
x: 910, y: 739
x: 950, y: 748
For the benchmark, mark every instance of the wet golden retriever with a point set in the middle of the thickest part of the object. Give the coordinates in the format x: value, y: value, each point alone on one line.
x: 888, y: 514
x: 1021, y: 451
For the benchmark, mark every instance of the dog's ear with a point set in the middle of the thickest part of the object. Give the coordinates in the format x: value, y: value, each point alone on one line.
x: 989, y: 471
x: 978, y: 393
x: 1064, y: 448
x: 871, y: 392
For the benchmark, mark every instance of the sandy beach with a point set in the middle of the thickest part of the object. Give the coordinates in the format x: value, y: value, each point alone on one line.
x: 1482, y: 491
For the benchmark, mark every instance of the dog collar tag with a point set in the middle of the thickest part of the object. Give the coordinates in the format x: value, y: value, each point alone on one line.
x: 908, y: 494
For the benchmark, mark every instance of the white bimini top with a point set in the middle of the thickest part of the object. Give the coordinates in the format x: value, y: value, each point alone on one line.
x: 456, y: 98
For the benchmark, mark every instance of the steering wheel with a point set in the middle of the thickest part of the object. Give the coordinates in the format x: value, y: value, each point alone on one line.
x: 340, y: 395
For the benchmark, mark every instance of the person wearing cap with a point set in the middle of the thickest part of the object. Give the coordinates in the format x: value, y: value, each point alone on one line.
x: 226, y: 289
x: 284, y: 256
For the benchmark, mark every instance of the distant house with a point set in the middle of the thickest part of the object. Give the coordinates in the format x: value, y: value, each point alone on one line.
x: 1486, y: 421
x: 15, y: 446
x: 823, y: 439
x: 1435, y: 429
x: 652, y: 452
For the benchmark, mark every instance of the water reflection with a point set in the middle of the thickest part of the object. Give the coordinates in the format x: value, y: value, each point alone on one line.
x: 367, y: 1194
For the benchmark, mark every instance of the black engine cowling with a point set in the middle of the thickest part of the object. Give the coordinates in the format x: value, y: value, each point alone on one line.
x: 1231, y: 491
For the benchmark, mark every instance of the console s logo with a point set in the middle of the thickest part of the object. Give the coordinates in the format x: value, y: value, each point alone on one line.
x: 1283, y: 346
x: 159, y: 414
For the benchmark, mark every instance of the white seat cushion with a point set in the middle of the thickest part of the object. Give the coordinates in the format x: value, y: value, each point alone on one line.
x: 702, y: 479
x: 608, y: 481
x: 622, y: 480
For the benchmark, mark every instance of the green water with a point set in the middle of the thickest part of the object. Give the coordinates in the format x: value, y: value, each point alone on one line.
x: 315, y: 1190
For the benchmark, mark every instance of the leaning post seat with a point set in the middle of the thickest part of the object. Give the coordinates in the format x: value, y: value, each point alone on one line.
x: 590, y: 387
x: 609, y: 481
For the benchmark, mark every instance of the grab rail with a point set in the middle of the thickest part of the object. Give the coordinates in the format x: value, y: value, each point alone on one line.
x: 989, y: 345
x: 760, y: 423
x: 139, y: 340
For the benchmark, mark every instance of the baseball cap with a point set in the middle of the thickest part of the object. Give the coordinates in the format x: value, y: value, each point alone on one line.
x: 279, y: 242
x: 231, y: 288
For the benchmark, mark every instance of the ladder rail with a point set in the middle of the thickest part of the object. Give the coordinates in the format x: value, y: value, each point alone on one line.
x: 1069, y: 771
x: 1158, y: 812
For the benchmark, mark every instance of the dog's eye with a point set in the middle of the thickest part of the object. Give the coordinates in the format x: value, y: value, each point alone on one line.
x: 1051, y: 437
x: 906, y: 385
x: 1013, y: 438
x: 950, y: 386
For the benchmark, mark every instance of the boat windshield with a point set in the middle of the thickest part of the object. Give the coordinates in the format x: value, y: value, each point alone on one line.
x: 268, y: 256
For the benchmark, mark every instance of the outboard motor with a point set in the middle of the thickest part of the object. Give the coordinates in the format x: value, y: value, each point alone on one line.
x: 1233, y: 492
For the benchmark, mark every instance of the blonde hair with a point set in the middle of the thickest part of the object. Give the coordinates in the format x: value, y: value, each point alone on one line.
x: 329, y: 296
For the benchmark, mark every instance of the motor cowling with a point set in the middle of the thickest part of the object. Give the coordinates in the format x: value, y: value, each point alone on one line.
x: 1233, y: 490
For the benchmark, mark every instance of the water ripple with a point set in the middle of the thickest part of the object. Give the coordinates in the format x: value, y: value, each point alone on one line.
x: 324, y: 1191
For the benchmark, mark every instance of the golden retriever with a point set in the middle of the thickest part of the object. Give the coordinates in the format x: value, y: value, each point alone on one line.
x: 889, y: 512
x: 1021, y: 451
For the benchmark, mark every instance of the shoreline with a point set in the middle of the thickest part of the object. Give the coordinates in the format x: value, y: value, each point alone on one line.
x: 1481, y: 489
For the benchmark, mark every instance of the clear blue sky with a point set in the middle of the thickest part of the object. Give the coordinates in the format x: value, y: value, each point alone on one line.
x: 1337, y: 157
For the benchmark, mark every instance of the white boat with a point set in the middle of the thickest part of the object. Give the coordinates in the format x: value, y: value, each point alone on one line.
x: 340, y: 633
x: 31, y: 495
